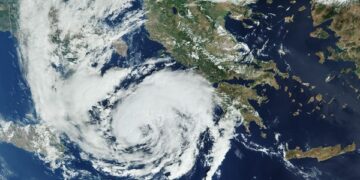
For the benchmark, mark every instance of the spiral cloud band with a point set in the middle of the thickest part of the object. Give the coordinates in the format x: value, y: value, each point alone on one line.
x: 151, y: 127
x: 162, y: 120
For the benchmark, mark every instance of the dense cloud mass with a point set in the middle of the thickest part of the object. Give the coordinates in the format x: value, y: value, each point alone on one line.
x: 111, y: 102
x: 151, y: 127
x: 162, y: 119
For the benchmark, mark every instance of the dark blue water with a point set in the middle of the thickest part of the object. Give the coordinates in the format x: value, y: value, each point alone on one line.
x: 340, y: 126
x: 15, y: 96
x: 307, y: 129
x: 23, y: 165
x: 112, y: 20
x: 15, y: 103
x: 247, y: 164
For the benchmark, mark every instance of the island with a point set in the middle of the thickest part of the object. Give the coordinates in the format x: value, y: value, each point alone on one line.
x: 319, y: 153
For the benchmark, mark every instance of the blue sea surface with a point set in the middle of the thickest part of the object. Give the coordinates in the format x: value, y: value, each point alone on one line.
x: 23, y: 165
x: 15, y: 103
x: 15, y: 96
x: 306, y: 130
x: 309, y: 129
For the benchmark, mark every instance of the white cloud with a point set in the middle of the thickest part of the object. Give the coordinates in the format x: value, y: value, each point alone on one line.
x: 234, y: 1
x: 34, y: 138
x: 334, y: 2
x: 63, y: 102
x: 166, y: 113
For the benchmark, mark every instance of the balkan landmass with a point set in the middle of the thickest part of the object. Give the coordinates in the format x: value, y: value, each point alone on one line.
x: 194, y: 33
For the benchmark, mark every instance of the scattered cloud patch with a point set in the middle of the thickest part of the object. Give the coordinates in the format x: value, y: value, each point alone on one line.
x: 234, y: 1
x: 335, y: 2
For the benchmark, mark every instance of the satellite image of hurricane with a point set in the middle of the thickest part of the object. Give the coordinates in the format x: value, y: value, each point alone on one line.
x: 180, y: 89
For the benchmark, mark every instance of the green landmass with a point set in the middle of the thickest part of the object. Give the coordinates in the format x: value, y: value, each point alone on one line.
x: 193, y: 33
x: 8, y: 15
